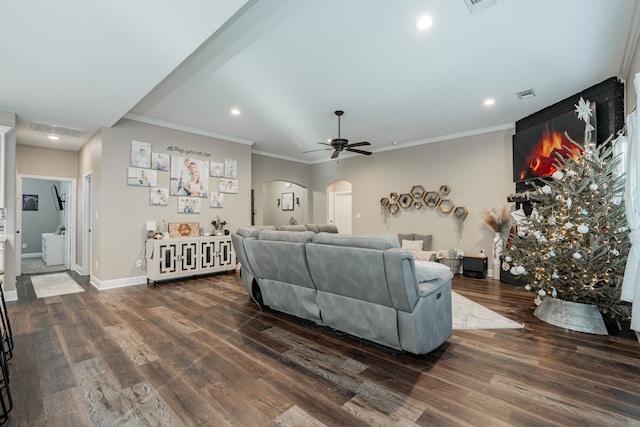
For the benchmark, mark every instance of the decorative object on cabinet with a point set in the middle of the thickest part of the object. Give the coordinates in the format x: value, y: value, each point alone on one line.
x: 184, y: 229
x: 174, y: 258
x: 218, y: 226
x: 417, y: 191
x: 287, y: 201
x: 405, y: 200
x: 151, y: 229
x: 431, y: 199
x: 445, y: 206
x: 393, y: 208
x: 445, y: 189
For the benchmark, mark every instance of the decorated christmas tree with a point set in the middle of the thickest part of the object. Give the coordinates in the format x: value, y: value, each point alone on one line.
x: 574, y: 244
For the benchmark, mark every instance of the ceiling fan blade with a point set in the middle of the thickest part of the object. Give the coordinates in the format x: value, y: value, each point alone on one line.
x: 326, y: 143
x: 353, y: 150
x: 319, y: 149
x: 359, y: 144
x: 335, y: 154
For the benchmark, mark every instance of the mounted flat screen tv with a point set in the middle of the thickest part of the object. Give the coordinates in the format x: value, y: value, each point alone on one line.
x: 536, y: 149
x: 58, y: 203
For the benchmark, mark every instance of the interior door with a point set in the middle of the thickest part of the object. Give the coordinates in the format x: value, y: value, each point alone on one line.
x: 342, y: 208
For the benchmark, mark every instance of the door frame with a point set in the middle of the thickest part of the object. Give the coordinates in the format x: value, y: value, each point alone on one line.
x: 86, y: 218
x: 70, y: 225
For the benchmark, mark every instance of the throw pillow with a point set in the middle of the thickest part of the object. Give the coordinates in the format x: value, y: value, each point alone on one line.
x: 412, y: 245
x: 426, y: 239
x: 428, y: 270
x: 402, y: 237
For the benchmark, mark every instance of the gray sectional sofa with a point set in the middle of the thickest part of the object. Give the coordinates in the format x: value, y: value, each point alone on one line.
x: 364, y: 285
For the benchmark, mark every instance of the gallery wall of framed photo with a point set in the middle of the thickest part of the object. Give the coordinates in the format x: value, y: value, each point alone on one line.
x: 194, y: 183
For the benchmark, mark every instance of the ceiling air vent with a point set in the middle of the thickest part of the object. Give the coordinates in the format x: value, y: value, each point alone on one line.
x: 476, y: 6
x: 526, y: 94
x: 56, y: 130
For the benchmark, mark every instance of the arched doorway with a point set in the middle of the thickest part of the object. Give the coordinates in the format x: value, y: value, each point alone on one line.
x: 339, y: 206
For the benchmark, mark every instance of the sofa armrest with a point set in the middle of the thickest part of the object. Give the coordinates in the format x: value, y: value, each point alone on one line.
x: 401, y: 278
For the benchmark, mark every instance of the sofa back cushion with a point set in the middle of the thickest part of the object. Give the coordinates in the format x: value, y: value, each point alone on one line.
x: 291, y: 228
x: 368, y: 241
x: 280, y: 256
x: 351, y: 266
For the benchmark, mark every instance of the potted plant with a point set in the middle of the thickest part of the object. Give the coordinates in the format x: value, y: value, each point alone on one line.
x: 218, y: 226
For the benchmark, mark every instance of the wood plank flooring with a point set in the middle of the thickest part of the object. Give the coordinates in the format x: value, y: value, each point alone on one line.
x: 199, y: 353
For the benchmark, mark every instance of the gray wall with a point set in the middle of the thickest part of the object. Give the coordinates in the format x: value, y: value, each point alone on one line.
x: 45, y: 220
x: 273, y: 214
x: 123, y: 210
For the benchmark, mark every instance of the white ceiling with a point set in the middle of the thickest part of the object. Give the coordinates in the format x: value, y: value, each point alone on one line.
x: 288, y: 64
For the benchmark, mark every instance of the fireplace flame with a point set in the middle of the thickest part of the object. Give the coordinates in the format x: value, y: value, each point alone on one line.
x: 543, y: 156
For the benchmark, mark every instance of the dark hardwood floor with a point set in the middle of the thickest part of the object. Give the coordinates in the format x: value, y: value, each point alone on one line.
x: 198, y: 352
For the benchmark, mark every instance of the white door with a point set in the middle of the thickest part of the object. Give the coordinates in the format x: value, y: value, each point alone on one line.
x: 87, y: 220
x: 342, y: 211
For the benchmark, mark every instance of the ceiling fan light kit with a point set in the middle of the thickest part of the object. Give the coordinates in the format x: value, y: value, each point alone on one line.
x: 340, y: 144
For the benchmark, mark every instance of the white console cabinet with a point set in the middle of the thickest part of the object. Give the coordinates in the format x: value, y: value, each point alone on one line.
x: 53, y: 248
x: 188, y: 256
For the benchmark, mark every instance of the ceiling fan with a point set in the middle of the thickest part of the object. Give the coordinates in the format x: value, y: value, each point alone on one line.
x: 341, y: 144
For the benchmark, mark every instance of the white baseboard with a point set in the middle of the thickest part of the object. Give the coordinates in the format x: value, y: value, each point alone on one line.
x: 117, y: 283
x: 32, y: 255
x: 11, y: 295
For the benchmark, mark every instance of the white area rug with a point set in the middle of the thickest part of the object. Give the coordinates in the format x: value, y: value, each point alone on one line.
x: 48, y: 285
x: 470, y: 315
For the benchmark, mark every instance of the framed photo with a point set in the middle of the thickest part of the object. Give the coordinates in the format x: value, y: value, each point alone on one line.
x: 287, y: 201
x: 140, y: 154
x: 216, y: 169
x: 142, y: 177
x: 226, y: 185
x: 29, y: 202
x: 184, y: 229
x: 216, y: 200
x: 230, y: 168
x: 160, y: 161
x: 189, y: 205
x: 158, y: 196
x: 189, y: 177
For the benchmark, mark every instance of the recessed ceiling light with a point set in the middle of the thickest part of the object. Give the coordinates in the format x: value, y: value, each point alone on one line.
x: 235, y: 111
x: 423, y: 22
x: 54, y: 137
x: 489, y: 101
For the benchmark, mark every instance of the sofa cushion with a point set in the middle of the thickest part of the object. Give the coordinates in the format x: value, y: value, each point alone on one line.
x: 411, y: 236
x: 412, y: 245
x: 368, y: 241
x: 286, y: 236
x: 327, y: 228
x: 426, y: 241
x: 312, y: 227
x: 291, y: 228
x: 428, y: 270
x: 248, y: 232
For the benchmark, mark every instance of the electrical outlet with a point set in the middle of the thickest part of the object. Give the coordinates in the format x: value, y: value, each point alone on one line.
x: 24, y: 246
x: 138, y: 263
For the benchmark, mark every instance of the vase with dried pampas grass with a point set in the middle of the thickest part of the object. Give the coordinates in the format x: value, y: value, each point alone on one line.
x: 500, y: 223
